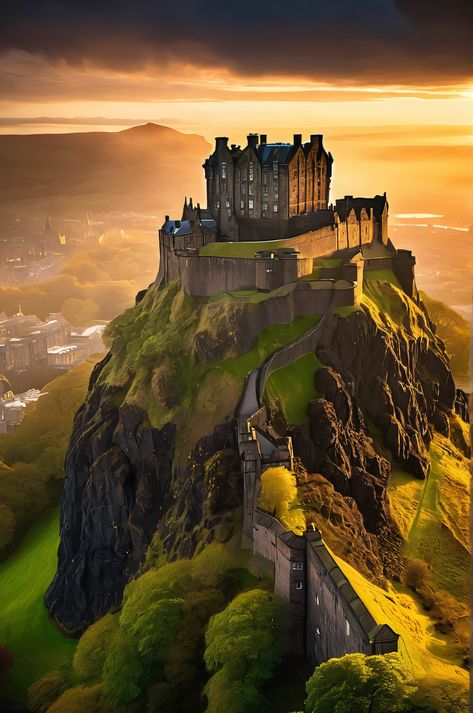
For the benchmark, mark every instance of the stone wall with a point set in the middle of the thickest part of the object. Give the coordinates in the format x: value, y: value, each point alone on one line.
x: 327, y: 618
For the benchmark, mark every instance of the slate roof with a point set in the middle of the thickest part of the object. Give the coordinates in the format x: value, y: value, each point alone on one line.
x: 185, y: 227
x: 366, y: 620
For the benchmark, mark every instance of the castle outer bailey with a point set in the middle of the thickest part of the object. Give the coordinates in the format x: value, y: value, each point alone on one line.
x: 269, y: 227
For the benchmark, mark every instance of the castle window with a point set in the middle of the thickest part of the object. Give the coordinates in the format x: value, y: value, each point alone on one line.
x: 317, y: 631
x: 265, y: 190
x: 299, y: 584
x: 298, y: 565
x: 265, y: 206
x: 347, y: 627
x: 242, y: 204
x: 264, y: 215
x: 265, y: 179
x: 250, y: 171
x: 275, y: 208
x: 250, y: 189
x: 317, y: 600
x: 217, y: 204
x: 250, y: 204
x: 224, y: 169
x: 227, y: 203
x: 275, y: 170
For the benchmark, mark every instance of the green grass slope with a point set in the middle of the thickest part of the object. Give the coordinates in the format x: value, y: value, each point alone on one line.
x: 454, y: 330
x: 25, y: 628
x: 292, y: 387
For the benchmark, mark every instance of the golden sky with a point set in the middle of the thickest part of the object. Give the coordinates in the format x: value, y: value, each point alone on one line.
x: 388, y: 82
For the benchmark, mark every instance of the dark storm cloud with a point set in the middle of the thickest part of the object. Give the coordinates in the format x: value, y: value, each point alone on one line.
x: 388, y: 40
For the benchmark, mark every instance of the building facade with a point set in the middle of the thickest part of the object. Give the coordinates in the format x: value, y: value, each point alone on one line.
x: 266, y: 185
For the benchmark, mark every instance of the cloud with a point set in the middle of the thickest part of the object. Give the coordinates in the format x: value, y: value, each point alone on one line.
x: 384, y: 41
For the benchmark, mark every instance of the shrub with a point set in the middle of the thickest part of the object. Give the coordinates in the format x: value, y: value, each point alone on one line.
x: 243, y: 644
x: 359, y: 684
x: 279, y: 497
x: 416, y: 574
x: 90, y: 654
x: 43, y: 692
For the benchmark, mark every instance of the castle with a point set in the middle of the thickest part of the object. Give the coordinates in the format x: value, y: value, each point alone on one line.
x: 269, y: 228
x: 275, y: 196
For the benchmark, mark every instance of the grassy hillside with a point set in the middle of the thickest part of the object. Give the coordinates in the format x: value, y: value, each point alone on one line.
x: 146, y: 168
x: 455, y: 332
x: 427, y: 652
x: 32, y: 457
x: 25, y: 628
x: 292, y: 387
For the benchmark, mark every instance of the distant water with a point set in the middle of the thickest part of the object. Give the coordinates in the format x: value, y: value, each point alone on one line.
x: 444, y: 262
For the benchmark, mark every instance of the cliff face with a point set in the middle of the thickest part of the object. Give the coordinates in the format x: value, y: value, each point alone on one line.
x: 387, y: 377
x: 152, y: 451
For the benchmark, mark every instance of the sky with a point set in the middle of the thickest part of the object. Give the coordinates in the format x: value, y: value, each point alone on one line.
x: 388, y: 82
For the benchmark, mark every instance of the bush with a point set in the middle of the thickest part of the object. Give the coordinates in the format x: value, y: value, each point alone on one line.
x: 90, y: 654
x: 359, y: 684
x: 43, y: 693
x: 416, y: 574
x: 243, y: 644
x: 279, y: 497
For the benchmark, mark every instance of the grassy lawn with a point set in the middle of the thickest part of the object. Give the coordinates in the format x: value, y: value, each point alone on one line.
x: 25, y: 628
x: 384, y: 275
x: 292, y: 387
x: 242, y: 249
x: 268, y: 340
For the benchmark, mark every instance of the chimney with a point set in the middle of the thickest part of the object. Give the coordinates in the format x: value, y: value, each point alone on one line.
x: 297, y: 140
x: 221, y: 142
x: 177, y: 223
x: 316, y: 140
x: 166, y: 219
x: 263, y: 139
x: 252, y: 140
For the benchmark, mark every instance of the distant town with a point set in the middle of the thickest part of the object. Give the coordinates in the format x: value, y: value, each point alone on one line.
x: 30, y: 348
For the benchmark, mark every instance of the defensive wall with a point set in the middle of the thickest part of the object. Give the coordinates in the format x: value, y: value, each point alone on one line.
x: 206, y: 275
x: 327, y: 618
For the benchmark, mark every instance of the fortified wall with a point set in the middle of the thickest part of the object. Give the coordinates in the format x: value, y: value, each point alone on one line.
x: 327, y: 618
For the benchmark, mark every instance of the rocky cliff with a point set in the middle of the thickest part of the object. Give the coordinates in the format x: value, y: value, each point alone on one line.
x: 152, y: 452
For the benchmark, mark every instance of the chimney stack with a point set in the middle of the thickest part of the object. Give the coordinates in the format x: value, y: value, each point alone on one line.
x: 263, y: 139
x: 221, y: 142
x: 166, y: 219
x: 316, y: 140
x: 252, y: 140
x: 297, y: 140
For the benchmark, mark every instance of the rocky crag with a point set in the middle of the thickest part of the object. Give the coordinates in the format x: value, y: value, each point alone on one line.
x: 152, y: 453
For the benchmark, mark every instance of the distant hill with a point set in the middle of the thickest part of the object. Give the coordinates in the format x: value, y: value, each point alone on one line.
x: 147, y: 168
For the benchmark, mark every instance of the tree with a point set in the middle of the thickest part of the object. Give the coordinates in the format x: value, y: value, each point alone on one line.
x: 279, y: 497
x: 243, y: 644
x: 357, y: 683
x: 90, y: 654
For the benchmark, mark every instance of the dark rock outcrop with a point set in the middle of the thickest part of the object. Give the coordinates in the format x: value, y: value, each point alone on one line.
x: 117, y: 486
x: 122, y: 486
x: 399, y: 377
x: 337, y: 445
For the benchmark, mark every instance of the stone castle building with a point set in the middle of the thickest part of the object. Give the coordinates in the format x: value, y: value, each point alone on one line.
x: 264, y: 186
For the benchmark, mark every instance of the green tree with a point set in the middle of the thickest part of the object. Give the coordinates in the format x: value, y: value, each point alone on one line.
x: 243, y: 644
x: 357, y: 683
x: 123, y: 672
x: 90, y: 654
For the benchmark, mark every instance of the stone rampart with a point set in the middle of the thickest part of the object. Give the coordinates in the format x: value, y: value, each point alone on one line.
x: 327, y: 618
